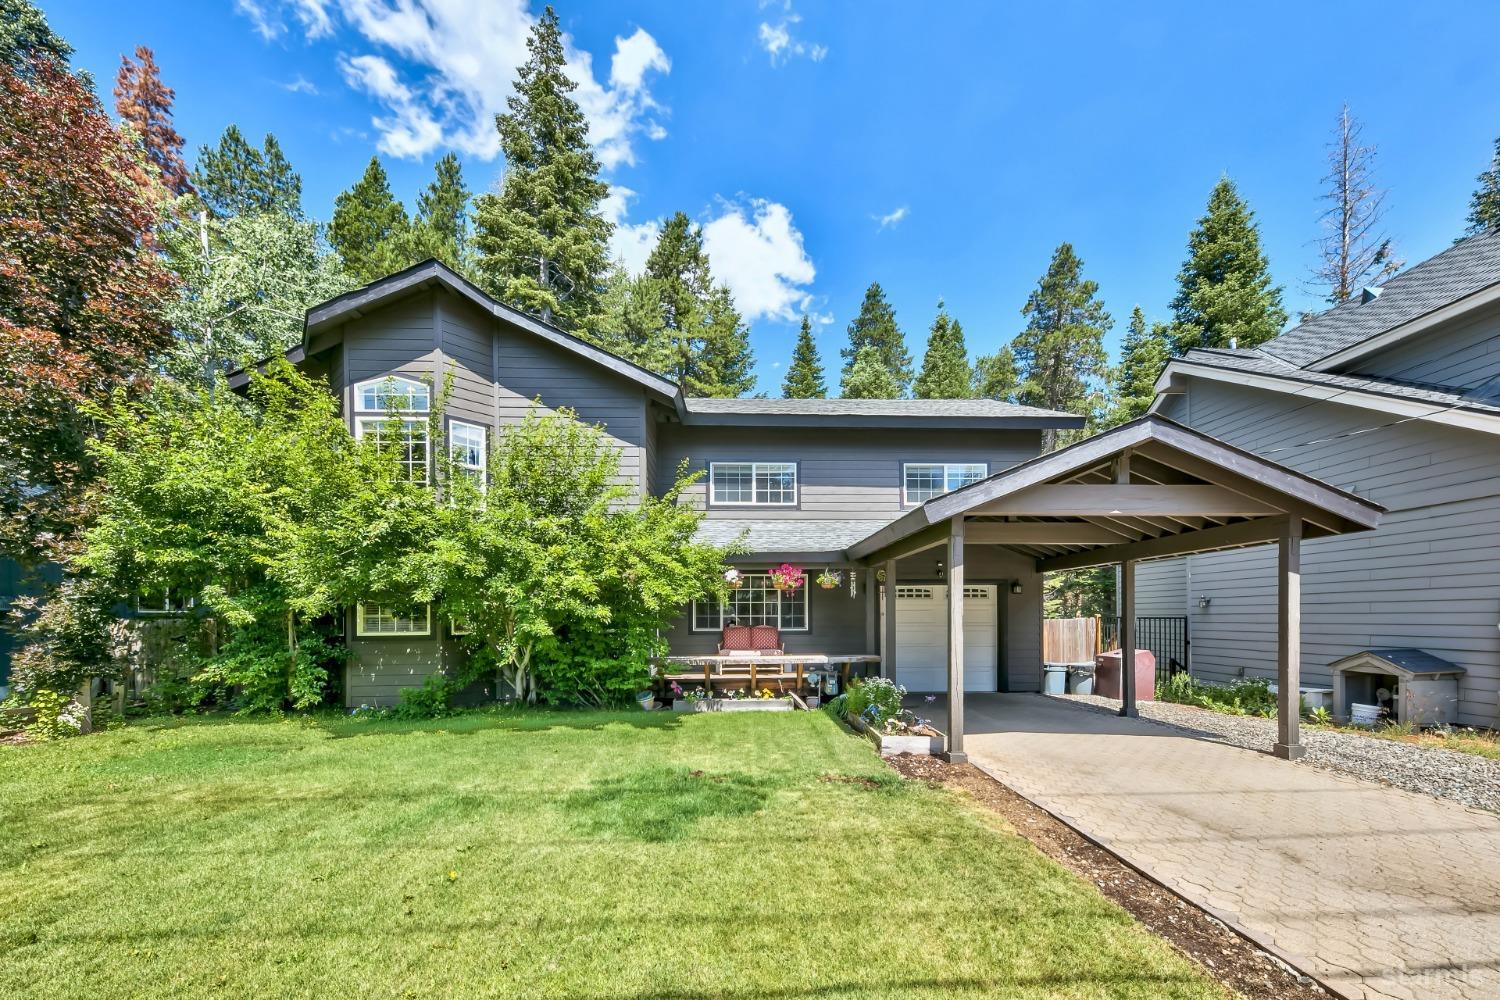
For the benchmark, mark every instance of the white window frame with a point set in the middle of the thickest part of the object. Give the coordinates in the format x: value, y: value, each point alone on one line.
x: 454, y: 628
x: 755, y: 470
x: 480, y: 472
x: 167, y: 608
x: 757, y: 581
x: 361, y: 425
x: 364, y: 633
x: 390, y: 385
x: 948, y: 468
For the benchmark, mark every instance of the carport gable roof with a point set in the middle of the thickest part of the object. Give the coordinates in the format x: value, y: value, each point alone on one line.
x: 1185, y: 492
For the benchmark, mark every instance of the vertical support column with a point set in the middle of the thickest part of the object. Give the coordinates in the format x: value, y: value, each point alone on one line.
x: 955, y: 754
x: 872, y: 611
x: 1289, y: 643
x: 1127, y: 639
x: 888, y: 639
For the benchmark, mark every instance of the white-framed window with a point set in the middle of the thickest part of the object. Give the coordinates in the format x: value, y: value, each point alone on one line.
x: 755, y: 603
x: 393, y: 392
x: 163, y: 603
x: 383, y: 620
x: 759, y: 484
x: 467, y: 449
x: 457, y: 627
x: 410, y: 442
x: 921, y: 481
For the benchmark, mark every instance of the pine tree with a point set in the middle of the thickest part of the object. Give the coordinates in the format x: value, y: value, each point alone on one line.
x: 869, y: 377
x: 370, y: 231
x: 1225, y: 294
x: 632, y: 324
x: 804, y: 376
x: 1484, y: 206
x: 543, y: 243
x: 1354, y: 252
x: 25, y: 35
x: 235, y: 178
x: 995, y: 376
x: 1142, y: 358
x: 945, y: 370
x: 1060, y: 355
x: 145, y: 104
x: 875, y: 326
x: 441, y: 227
x: 724, y: 365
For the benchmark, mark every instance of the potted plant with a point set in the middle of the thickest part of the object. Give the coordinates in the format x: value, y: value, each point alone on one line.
x: 787, y: 577
x: 732, y: 579
x: 830, y: 579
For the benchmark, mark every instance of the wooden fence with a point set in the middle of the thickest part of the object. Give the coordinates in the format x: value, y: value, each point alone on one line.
x: 1070, y: 640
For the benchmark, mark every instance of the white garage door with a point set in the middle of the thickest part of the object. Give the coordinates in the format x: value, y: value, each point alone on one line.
x: 922, y: 637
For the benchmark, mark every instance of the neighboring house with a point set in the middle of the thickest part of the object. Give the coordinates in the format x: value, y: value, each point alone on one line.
x: 793, y: 480
x: 1394, y: 396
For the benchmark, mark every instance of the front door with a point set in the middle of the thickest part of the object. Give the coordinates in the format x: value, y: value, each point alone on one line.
x: 922, y: 637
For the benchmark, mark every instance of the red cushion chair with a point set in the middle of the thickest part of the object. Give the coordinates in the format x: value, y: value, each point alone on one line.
x: 765, y: 638
x: 735, y: 639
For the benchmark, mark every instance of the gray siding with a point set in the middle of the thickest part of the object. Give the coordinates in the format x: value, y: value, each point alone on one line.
x: 1428, y: 577
x: 397, y: 340
x: 842, y: 473
x: 1161, y: 589
x: 1460, y: 356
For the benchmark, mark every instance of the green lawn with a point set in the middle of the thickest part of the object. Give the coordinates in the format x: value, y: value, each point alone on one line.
x: 546, y: 854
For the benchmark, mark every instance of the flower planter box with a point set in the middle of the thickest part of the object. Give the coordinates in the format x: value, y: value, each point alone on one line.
x: 734, y: 705
x: 891, y: 744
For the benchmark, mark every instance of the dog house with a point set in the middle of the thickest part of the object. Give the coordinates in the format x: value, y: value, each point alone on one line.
x: 1411, y: 684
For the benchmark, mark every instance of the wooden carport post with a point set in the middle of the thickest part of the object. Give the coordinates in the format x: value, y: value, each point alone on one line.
x: 955, y: 754
x: 1127, y: 639
x: 888, y: 638
x: 1289, y: 642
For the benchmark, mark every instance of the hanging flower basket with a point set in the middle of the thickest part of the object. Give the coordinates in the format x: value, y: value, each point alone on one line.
x: 830, y: 579
x: 787, y: 577
x: 733, y: 580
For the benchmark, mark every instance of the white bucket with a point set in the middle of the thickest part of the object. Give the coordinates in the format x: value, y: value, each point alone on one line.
x: 1364, y: 715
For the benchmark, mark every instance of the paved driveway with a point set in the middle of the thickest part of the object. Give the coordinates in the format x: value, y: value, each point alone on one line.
x: 1378, y: 892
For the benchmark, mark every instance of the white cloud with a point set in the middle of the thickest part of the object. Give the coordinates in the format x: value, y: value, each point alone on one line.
x: 757, y: 251
x: 631, y: 243
x: 890, y: 219
x: 447, y: 66
x: 301, y: 85
x: 782, y: 44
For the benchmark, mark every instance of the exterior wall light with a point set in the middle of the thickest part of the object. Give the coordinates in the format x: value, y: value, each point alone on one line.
x: 1204, y: 601
x: 1015, y: 586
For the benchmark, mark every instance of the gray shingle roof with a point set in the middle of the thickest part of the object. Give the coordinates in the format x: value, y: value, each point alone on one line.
x: 788, y: 535
x: 885, y: 410
x: 1469, y: 266
x: 1259, y: 363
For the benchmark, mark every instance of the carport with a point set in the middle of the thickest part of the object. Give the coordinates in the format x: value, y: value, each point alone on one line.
x: 1149, y: 489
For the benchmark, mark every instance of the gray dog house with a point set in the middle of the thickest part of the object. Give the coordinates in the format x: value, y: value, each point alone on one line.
x: 1424, y: 688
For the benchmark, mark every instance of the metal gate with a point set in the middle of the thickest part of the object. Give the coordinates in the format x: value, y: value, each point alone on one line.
x: 1166, y: 637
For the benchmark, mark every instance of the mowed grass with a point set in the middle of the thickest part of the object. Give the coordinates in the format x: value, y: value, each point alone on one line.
x: 537, y: 854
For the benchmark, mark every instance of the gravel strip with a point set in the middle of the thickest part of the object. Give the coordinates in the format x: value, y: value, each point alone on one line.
x: 1464, y: 778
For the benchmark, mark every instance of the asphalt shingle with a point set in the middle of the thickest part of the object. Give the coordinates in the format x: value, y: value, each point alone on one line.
x: 805, y: 535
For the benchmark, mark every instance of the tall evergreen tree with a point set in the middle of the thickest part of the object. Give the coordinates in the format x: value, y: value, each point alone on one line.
x: 945, y: 370
x: 145, y: 104
x: 1060, y: 355
x: 724, y: 365
x: 25, y: 35
x: 995, y: 376
x: 235, y: 178
x: 441, y: 226
x: 543, y: 243
x: 869, y: 377
x: 1142, y: 358
x: 370, y: 231
x: 1225, y: 293
x: 1484, y: 206
x: 804, y: 376
x: 875, y: 326
x: 1354, y: 251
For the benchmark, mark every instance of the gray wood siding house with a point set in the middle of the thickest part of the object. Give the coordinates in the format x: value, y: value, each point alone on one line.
x: 1394, y: 397
x: 797, y: 480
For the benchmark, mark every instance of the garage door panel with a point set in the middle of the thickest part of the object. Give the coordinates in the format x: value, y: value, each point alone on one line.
x: 922, y: 638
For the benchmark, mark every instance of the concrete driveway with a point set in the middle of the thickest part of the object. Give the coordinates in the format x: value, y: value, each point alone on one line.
x: 1376, y: 891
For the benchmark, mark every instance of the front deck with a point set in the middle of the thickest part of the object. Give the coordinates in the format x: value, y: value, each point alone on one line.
x: 782, y: 673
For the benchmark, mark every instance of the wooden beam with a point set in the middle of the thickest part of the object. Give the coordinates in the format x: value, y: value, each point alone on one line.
x: 1069, y: 500
x: 1226, y: 536
x: 1289, y: 643
x: 1038, y: 533
x: 888, y: 639
x: 1127, y: 639
x: 928, y: 538
x: 955, y: 754
x: 1203, y: 469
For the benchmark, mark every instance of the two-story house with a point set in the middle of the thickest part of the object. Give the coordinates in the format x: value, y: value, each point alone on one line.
x: 1394, y: 396
x: 792, y: 480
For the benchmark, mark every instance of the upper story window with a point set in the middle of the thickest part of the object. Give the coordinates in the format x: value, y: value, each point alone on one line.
x: 466, y: 447
x: 766, y: 484
x: 383, y: 620
x: 163, y: 603
x: 393, y: 392
x: 407, y: 437
x: 921, y: 481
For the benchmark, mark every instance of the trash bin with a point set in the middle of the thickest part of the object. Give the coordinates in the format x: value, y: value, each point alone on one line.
x: 1107, y: 674
x: 1055, y: 678
x: 1080, y: 679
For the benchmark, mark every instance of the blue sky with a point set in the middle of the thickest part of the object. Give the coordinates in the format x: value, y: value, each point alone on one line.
x: 942, y: 152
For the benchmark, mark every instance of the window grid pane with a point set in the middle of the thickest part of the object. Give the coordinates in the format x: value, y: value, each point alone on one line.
x: 776, y: 484
x: 757, y: 602
x: 466, y: 447
x: 923, y: 482
x: 734, y: 483
x: 402, y: 394
x: 378, y: 619
x: 412, y: 444
x: 960, y: 476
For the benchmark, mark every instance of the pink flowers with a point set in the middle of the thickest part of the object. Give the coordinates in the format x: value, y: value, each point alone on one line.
x: 787, y: 577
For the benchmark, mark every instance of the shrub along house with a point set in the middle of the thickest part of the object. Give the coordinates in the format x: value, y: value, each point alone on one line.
x: 856, y: 487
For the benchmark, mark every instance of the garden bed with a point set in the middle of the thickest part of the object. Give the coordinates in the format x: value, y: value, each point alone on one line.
x: 928, y: 742
x: 734, y: 705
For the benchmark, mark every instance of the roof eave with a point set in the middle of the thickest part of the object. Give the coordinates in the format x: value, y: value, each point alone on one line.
x: 693, y: 418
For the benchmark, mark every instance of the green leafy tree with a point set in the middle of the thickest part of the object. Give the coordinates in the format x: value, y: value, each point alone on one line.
x: 1484, y: 206
x: 1060, y: 356
x: 875, y: 326
x: 804, y: 376
x: 542, y: 242
x: 1224, y: 291
x: 945, y: 370
x: 235, y: 178
x: 995, y: 376
x: 869, y: 377
x: 370, y: 231
x: 25, y: 35
x: 441, y: 227
x: 1143, y: 356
